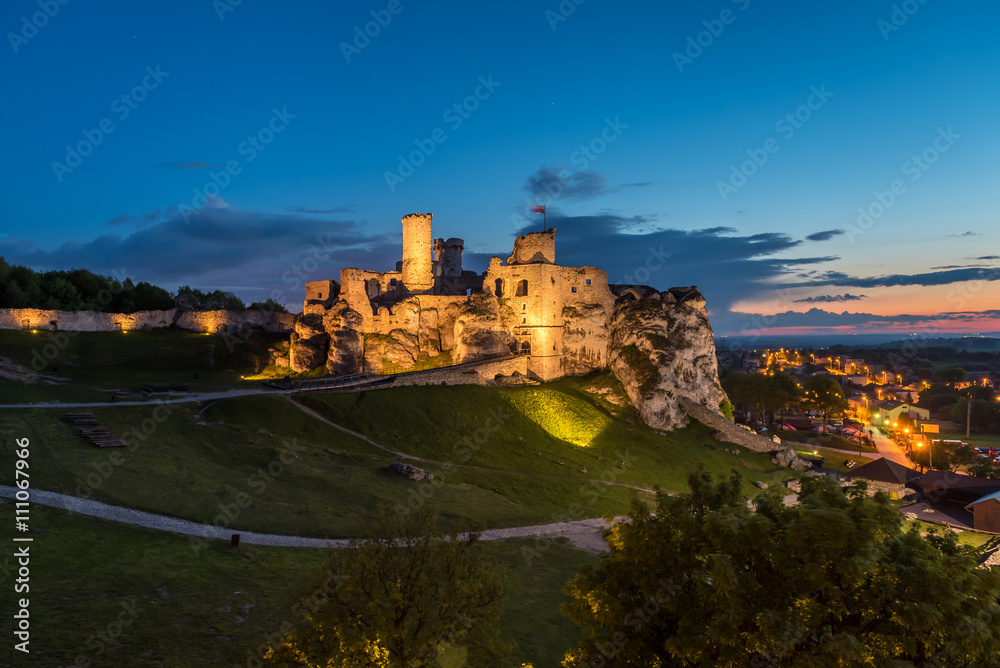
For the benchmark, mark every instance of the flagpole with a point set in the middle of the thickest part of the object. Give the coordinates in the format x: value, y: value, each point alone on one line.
x: 545, y: 226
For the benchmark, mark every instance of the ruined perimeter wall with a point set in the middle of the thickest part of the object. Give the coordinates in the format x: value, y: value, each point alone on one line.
x: 196, y: 321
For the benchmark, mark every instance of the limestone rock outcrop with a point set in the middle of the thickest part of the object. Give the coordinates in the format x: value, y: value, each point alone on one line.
x: 345, y: 353
x: 662, y: 350
x: 310, y: 342
x: 479, y: 330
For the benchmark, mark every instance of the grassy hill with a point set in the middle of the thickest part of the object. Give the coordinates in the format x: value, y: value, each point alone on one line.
x: 500, y: 457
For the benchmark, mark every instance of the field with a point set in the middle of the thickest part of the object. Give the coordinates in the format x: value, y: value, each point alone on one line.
x: 110, y: 594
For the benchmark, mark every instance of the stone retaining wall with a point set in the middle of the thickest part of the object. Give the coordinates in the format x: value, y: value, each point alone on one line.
x: 479, y: 374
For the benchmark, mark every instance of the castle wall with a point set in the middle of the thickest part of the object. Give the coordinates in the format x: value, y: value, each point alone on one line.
x: 480, y: 374
x: 325, y: 291
x: 197, y: 321
x: 448, y: 256
x: 418, y: 271
x: 533, y: 292
x: 534, y: 247
x: 587, y: 307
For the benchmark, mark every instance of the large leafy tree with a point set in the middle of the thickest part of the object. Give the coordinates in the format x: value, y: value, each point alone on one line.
x: 824, y: 395
x: 703, y: 580
x: 400, y: 598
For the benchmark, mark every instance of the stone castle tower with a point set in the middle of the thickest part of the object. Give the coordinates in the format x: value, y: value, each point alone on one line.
x: 418, y: 271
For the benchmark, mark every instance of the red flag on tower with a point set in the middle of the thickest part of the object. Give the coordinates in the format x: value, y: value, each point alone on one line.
x: 540, y: 208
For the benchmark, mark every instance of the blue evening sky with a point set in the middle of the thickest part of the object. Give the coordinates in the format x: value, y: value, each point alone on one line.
x: 886, y: 82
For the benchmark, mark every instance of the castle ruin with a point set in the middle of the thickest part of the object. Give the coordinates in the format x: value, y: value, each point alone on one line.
x: 558, y: 321
x: 431, y: 305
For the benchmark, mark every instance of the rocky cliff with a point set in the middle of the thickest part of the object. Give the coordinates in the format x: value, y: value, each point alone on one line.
x: 663, y: 350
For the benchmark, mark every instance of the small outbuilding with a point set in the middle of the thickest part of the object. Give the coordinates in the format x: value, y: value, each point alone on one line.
x: 986, y: 513
x: 884, y: 475
x: 955, y: 489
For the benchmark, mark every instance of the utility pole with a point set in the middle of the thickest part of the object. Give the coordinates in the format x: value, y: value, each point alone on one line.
x: 968, y: 417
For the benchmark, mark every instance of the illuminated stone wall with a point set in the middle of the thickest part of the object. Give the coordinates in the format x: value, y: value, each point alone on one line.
x: 197, y: 321
x: 448, y: 256
x: 534, y: 247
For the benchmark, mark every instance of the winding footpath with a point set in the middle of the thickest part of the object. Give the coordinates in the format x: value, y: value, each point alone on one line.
x: 585, y: 534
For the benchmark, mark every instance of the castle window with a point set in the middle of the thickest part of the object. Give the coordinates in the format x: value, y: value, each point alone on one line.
x: 499, y: 288
x: 574, y: 288
x: 588, y: 281
x: 524, y: 307
x: 522, y: 288
x: 524, y: 321
x: 526, y: 347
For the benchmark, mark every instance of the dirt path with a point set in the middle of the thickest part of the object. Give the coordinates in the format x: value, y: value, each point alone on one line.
x: 584, y: 534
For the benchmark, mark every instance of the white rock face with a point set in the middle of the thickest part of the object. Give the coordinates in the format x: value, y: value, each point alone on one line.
x: 661, y: 351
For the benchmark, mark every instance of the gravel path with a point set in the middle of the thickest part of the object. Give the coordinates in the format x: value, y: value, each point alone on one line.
x: 585, y: 534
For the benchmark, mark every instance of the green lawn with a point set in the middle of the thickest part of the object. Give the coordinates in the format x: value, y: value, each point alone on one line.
x: 833, y: 461
x: 824, y: 440
x: 178, y: 609
x: 555, y: 429
x: 95, y: 364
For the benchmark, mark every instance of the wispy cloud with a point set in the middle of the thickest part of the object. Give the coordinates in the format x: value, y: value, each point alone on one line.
x: 967, y: 234
x: 896, y: 280
x: 142, y: 220
x: 831, y: 298
x: 825, y: 235
x: 349, y: 208
x: 561, y: 183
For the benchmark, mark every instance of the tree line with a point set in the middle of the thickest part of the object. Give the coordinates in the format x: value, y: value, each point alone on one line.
x: 767, y: 397
x: 83, y: 290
